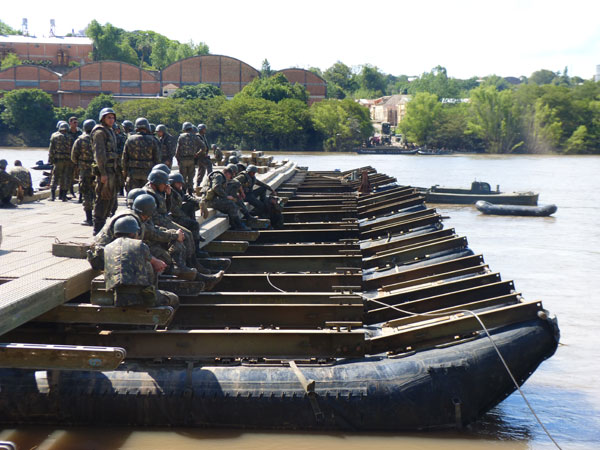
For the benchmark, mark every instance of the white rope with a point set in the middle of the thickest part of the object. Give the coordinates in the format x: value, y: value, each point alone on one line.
x: 273, y: 286
x: 476, y: 316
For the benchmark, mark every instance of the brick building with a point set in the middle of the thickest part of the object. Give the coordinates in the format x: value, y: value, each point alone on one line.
x: 57, y: 51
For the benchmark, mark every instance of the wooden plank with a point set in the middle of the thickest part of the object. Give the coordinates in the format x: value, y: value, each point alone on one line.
x: 60, y: 357
x: 87, y: 313
x: 456, y: 325
x: 209, y: 344
x: 213, y: 228
x: 234, y: 235
x: 70, y: 250
x: 227, y: 246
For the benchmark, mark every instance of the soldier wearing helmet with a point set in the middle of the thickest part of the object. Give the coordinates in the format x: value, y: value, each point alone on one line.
x: 83, y: 157
x: 167, y: 145
x: 128, y: 270
x: 254, y: 195
x: 217, y: 153
x: 8, y: 184
x: 104, y: 147
x: 128, y: 127
x: 73, y: 133
x: 59, y: 155
x: 214, y: 189
x: 141, y: 153
x: 185, y: 152
x: 178, y: 214
x: 202, y: 156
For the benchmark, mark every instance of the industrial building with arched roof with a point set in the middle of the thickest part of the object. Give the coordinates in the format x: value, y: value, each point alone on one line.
x: 78, y: 86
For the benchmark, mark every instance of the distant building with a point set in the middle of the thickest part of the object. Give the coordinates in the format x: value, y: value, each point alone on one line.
x: 391, y: 109
x: 168, y: 90
x: 54, y: 51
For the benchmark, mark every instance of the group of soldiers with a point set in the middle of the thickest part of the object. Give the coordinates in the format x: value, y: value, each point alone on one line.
x: 16, y: 181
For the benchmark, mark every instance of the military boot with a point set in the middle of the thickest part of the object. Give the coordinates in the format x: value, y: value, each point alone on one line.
x: 89, y: 221
x: 98, y: 224
x: 238, y: 225
x: 80, y: 199
x: 210, y: 281
x: 185, y: 273
x: 215, y: 264
x: 63, y: 195
x: 53, y: 193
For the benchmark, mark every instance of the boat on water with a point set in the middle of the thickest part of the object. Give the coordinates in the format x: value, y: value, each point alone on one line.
x: 515, y: 210
x: 478, y: 191
x: 360, y: 314
x: 434, y: 152
x: 386, y: 150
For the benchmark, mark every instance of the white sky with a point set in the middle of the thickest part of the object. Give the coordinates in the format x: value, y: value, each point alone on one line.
x: 469, y: 38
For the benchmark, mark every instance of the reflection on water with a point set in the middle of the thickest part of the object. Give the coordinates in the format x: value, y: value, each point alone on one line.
x: 554, y: 259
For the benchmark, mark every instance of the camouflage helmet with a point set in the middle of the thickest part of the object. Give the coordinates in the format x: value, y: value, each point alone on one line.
x: 152, y: 128
x: 241, y: 167
x: 161, y: 127
x: 126, y: 225
x: 232, y: 168
x: 144, y: 204
x: 213, y: 146
x: 252, y: 169
x: 186, y: 126
x: 132, y: 195
x: 201, y: 127
x: 59, y: 123
x: 176, y: 177
x: 63, y: 126
x: 3, y: 163
x: 158, y: 177
x: 89, y: 125
x: 105, y: 112
x: 162, y: 167
x: 128, y: 126
x: 234, y: 159
x: 142, y: 123
x: 194, y: 128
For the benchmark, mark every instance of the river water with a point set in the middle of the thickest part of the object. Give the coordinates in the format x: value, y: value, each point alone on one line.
x: 554, y: 259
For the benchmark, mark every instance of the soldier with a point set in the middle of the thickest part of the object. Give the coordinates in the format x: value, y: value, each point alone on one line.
x: 104, y: 146
x: 187, y: 147
x: 8, y: 184
x: 59, y: 155
x: 167, y: 147
x: 73, y: 133
x: 257, y: 197
x: 128, y: 127
x: 140, y: 155
x: 202, y: 156
x: 216, y: 196
x: 128, y: 272
x: 177, y: 212
x: 24, y: 176
x: 218, y: 154
x: 83, y: 157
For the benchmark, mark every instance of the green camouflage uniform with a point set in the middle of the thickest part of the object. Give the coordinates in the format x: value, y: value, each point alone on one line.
x: 167, y: 149
x: 204, y: 163
x: 8, y: 184
x: 59, y: 155
x: 187, y: 147
x: 121, y: 139
x: 83, y: 157
x: 73, y: 135
x: 24, y: 177
x: 179, y: 216
x: 104, y: 146
x: 161, y: 218
x: 129, y: 275
x: 140, y: 155
x: 215, y: 188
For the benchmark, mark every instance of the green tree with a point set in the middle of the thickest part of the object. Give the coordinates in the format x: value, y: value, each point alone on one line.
x: 7, y: 29
x: 97, y: 104
x: 342, y: 76
x: 577, y: 142
x: 541, y: 128
x: 421, y: 114
x: 29, y: 112
x: 202, y: 90
x: 64, y: 112
x: 275, y: 89
x: 342, y: 124
x: 265, y: 71
x: 495, y: 119
x: 159, y: 54
x: 371, y: 80
x: 436, y: 82
x: 542, y: 76
x: 10, y: 60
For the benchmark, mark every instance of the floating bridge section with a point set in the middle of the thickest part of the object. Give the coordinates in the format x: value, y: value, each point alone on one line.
x: 349, y: 275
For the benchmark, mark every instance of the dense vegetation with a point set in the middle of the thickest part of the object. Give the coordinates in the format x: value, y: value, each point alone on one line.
x: 269, y: 114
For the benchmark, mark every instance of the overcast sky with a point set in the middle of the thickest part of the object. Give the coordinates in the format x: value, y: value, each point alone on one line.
x: 469, y: 38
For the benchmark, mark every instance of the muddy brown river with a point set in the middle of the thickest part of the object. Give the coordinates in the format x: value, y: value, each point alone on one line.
x: 554, y: 259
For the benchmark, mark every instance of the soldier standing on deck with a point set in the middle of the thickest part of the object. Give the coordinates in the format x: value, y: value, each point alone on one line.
x: 121, y: 138
x: 59, y: 155
x: 104, y: 146
x: 83, y: 157
x: 202, y: 156
x: 73, y: 133
x: 218, y: 154
x: 140, y: 155
x: 167, y: 147
x: 187, y: 147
